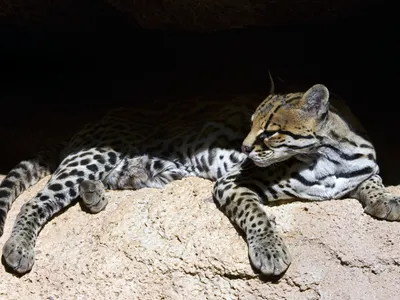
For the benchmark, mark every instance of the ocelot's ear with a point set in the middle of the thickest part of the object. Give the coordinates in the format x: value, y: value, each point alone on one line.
x: 316, y: 100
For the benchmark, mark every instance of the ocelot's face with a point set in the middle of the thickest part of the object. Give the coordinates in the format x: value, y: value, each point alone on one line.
x: 284, y: 126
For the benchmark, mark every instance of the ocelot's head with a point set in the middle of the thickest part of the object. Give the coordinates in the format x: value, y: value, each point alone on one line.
x: 286, y: 125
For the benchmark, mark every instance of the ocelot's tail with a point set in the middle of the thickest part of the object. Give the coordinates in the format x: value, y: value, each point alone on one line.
x: 24, y: 175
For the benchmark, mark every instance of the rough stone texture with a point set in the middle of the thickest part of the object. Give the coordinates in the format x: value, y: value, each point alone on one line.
x: 23, y: 11
x: 194, y: 15
x: 175, y: 244
x: 210, y: 15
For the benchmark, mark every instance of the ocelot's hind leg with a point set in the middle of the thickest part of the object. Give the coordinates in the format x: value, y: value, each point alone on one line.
x: 132, y: 173
x: 376, y: 200
x: 93, y: 195
x: 239, y: 198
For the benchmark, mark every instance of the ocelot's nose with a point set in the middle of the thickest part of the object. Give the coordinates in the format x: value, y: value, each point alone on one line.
x: 247, y: 149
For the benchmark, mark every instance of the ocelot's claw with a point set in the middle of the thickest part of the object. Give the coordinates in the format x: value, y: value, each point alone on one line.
x: 18, y: 254
x: 386, y: 207
x: 268, y: 253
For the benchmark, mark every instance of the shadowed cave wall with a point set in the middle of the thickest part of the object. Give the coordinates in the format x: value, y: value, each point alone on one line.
x: 70, y: 67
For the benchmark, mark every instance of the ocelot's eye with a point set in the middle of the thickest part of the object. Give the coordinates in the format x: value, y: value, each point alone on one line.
x: 267, y: 134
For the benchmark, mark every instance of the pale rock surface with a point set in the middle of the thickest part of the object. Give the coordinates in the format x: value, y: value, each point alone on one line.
x: 175, y: 244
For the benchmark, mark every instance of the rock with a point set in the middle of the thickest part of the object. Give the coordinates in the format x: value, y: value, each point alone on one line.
x: 31, y: 11
x: 212, y: 15
x: 191, y: 15
x: 175, y: 244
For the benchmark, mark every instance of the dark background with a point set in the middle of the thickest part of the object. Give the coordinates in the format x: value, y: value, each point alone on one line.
x: 59, y: 75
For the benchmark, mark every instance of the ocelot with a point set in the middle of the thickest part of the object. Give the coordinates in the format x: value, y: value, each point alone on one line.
x: 298, y: 146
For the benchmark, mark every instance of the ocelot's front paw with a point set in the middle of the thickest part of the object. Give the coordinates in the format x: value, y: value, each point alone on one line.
x: 268, y: 253
x: 18, y: 255
x: 93, y: 195
x: 386, y: 206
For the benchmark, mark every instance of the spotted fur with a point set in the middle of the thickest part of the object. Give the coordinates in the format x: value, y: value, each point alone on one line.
x: 296, y: 148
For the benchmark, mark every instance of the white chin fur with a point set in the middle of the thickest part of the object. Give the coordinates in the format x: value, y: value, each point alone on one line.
x: 259, y: 162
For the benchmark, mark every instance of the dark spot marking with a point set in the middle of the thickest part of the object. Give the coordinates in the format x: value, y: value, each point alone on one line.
x: 14, y: 174
x: 92, y: 168
x: 4, y: 193
x: 73, y: 164
x: 72, y: 193
x: 7, y: 183
x: 69, y: 183
x: 233, y: 158
x: 99, y: 158
x: 59, y: 196
x: 112, y: 158
x: 158, y: 165
x: 85, y: 153
x: 85, y: 161
x: 62, y: 176
x: 219, y: 173
x: 55, y: 187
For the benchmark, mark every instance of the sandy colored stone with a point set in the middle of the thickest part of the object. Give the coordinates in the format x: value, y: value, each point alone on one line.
x: 175, y: 244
